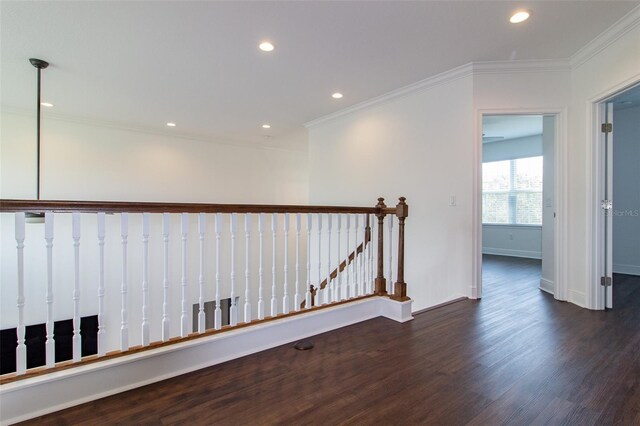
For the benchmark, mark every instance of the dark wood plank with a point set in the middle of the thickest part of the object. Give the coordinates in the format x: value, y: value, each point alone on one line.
x: 516, y: 357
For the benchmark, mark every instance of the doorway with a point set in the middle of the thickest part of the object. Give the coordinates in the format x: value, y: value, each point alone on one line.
x: 517, y: 200
x: 619, y: 216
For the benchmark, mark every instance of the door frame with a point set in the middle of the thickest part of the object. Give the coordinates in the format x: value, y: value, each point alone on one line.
x: 559, y: 201
x: 596, y: 178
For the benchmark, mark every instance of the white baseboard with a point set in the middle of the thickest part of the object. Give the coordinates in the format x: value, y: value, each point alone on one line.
x: 626, y: 269
x: 28, y: 398
x: 512, y: 253
x: 577, y: 298
x: 547, y: 286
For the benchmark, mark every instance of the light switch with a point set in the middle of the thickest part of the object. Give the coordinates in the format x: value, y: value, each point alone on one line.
x: 452, y: 201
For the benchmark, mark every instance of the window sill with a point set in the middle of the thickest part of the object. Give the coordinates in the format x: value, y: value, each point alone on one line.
x: 511, y: 225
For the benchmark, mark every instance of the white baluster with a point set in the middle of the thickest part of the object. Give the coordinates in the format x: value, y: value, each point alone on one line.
x: 329, y: 293
x: 297, y: 299
x: 202, y: 224
x: 390, y: 245
x: 247, y: 265
x: 307, y: 294
x: 166, y: 224
x: 274, y: 228
x: 285, y: 297
x: 372, y: 227
x: 124, y: 314
x: 184, y: 315
x: 145, y: 279
x: 75, y: 233
x: 49, y: 343
x: 21, y: 349
x: 356, y: 258
x: 102, y: 331
x: 348, y: 288
x: 233, y: 312
x: 261, y: 267
x: 218, y: 310
x: 338, y: 280
x: 319, y: 290
x: 363, y: 260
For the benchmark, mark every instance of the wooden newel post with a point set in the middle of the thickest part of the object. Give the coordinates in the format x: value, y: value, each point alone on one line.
x: 381, y: 282
x: 400, y: 287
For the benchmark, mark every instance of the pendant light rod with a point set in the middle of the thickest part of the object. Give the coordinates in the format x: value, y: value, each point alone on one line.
x: 40, y: 65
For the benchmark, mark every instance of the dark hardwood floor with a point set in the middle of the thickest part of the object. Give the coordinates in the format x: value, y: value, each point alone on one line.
x: 515, y: 357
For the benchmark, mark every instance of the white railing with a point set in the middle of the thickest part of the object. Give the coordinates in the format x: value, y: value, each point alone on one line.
x: 155, y: 273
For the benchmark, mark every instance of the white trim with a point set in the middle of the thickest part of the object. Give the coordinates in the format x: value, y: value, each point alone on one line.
x: 512, y: 225
x: 606, y: 38
x: 626, y: 269
x: 440, y: 305
x: 577, y: 298
x: 528, y: 66
x: 546, y: 286
x: 512, y: 253
x: 146, y: 130
x: 560, y: 195
x: 74, y: 386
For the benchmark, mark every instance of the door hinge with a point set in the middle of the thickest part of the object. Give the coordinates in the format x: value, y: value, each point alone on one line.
x: 606, y: 204
x: 607, y: 127
x: 605, y: 281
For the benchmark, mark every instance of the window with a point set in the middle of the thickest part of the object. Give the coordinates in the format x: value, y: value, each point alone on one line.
x: 512, y: 191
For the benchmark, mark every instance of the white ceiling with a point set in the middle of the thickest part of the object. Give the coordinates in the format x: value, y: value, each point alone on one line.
x: 510, y: 126
x: 196, y: 63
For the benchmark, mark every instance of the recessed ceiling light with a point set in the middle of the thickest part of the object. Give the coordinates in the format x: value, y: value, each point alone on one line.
x: 266, y: 46
x: 337, y: 95
x: 170, y: 124
x: 520, y: 16
x: 46, y: 104
x: 266, y: 126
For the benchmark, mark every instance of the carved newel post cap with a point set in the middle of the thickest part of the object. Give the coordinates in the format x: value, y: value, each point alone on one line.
x: 402, y: 209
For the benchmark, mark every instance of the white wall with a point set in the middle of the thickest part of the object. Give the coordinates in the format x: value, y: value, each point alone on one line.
x: 90, y: 162
x: 512, y: 240
x: 626, y: 191
x: 547, y: 279
x: 410, y: 146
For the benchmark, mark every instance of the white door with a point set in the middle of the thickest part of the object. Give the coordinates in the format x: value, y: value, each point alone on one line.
x: 607, y: 207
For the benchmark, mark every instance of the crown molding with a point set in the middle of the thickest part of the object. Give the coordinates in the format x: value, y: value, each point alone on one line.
x: 144, y: 130
x: 528, y: 66
x: 428, y: 83
x: 606, y: 38
x: 470, y: 69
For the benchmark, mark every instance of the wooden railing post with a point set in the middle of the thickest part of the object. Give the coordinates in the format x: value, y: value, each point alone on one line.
x: 400, y: 287
x: 381, y: 282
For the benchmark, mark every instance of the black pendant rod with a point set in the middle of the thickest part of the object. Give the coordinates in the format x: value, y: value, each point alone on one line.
x: 40, y: 65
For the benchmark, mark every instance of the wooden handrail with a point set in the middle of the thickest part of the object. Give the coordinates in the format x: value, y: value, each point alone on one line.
x: 33, y: 206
